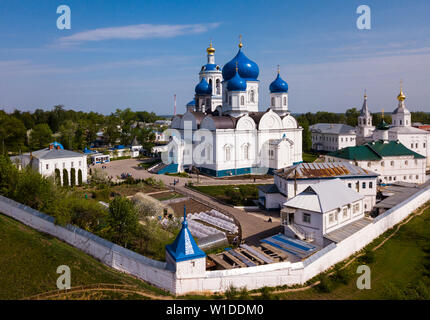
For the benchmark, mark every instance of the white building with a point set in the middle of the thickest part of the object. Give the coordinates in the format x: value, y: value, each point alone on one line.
x: 229, y: 135
x: 291, y: 181
x: 316, y: 212
x: 365, y: 128
x: 390, y: 159
x: 332, y: 136
x: 55, y: 161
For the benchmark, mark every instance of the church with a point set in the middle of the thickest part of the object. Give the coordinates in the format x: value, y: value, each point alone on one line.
x: 224, y: 133
x: 400, y: 130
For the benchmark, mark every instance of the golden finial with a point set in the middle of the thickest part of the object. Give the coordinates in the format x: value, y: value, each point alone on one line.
x: 210, y: 50
x: 365, y: 94
x: 237, y: 69
x: 240, y: 41
x: 401, y: 96
x: 279, y: 69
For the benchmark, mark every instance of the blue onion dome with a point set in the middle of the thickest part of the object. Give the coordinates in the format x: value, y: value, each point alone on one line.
x: 203, y: 87
x: 236, y: 83
x: 248, y: 69
x: 278, y: 85
x: 192, y: 103
x: 210, y: 67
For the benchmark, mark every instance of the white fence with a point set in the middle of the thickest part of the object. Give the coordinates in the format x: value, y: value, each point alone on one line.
x: 157, y: 273
x: 154, y: 272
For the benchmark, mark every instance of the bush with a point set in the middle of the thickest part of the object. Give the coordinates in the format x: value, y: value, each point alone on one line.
x: 80, y: 177
x: 326, y: 284
x: 368, y: 257
x: 231, y: 293
x: 148, y: 206
x: 342, y: 276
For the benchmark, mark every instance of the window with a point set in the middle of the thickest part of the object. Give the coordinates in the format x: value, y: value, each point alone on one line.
x: 349, y: 185
x: 356, y: 208
x: 306, y: 217
x: 416, y: 145
x: 285, y: 101
x: 382, y: 163
x: 363, y: 185
x: 400, y: 122
x: 273, y: 102
x: 80, y: 163
x: 246, y: 152
x: 345, y: 212
x: 47, y: 166
x: 252, y: 96
x: 369, y: 164
x: 331, y: 218
x: 404, y: 177
x: 218, y: 87
x: 412, y: 145
x: 392, y: 163
x: 64, y: 165
x: 242, y: 100
x: 424, y: 145
x: 417, y: 177
x: 227, y: 153
x: 370, y: 185
x: 406, y: 162
x: 72, y: 164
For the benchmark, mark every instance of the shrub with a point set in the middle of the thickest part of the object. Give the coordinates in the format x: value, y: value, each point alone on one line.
x: 65, y: 177
x: 368, y: 257
x: 148, y: 206
x: 231, y: 293
x: 325, y: 285
x: 73, y: 177
x: 80, y: 177
x: 266, y: 293
x: 342, y: 275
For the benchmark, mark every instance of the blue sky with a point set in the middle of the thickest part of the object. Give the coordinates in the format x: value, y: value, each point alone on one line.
x: 138, y: 54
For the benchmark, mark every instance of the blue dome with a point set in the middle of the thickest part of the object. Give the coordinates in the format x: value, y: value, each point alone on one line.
x: 236, y: 83
x: 211, y: 67
x: 278, y: 85
x: 203, y: 87
x: 248, y: 69
x: 191, y: 103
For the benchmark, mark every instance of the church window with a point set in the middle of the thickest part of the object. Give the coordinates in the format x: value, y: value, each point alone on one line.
x: 252, y: 96
x: 406, y: 121
x: 242, y: 100
x: 416, y: 145
x: 416, y: 177
x: 370, y: 185
x: 424, y: 145
x: 47, y: 166
x: 246, y: 152
x: 227, y: 153
x: 349, y: 185
x: 363, y: 185
x: 412, y: 145
x: 392, y: 163
x: 406, y: 162
x: 218, y: 86
x: 400, y: 122
x: 285, y: 101
x: 382, y: 163
x: 369, y: 164
x: 273, y: 102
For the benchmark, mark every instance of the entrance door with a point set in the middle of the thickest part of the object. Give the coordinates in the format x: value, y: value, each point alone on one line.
x: 290, y: 218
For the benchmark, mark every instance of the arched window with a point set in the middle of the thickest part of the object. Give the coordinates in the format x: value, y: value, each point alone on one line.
x: 252, y: 96
x: 242, y: 100
x: 246, y: 152
x: 273, y: 102
x: 210, y: 83
x: 285, y: 101
x: 227, y: 153
x: 218, y: 86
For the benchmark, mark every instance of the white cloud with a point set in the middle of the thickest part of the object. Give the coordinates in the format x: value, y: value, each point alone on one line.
x: 139, y: 31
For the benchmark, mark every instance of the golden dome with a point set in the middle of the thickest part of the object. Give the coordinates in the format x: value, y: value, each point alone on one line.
x: 210, y: 49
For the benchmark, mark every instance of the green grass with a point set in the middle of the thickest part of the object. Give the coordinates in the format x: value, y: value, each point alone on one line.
x: 29, y: 260
x: 309, y: 157
x: 237, y: 195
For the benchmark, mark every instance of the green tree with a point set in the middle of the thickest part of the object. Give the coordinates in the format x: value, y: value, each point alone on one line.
x: 122, y: 220
x: 65, y: 177
x: 40, y: 136
x: 80, y: 177
x: 58, y: 177
x: 352, y: 117
x: 8, y: 177
x: 12, y: 133
x: 73, y: 177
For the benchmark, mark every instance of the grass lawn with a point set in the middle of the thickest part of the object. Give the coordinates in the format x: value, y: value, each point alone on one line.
x: 29, y: 260
x: 167, y: 196
x: 237, y: 195
x: 309, y: 157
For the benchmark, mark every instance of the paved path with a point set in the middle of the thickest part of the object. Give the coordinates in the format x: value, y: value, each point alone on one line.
x: 254, y: 225
x: 115, y: 168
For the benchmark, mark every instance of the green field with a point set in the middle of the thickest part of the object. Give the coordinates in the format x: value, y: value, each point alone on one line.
x: 237, y: 195
x: 29, y: 260
x: 309, y: 157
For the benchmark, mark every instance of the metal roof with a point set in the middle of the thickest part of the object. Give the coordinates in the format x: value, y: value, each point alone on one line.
x: 323, y: 170
x: 333, y: 128
x: 54, y: 154
x: 324, y: 197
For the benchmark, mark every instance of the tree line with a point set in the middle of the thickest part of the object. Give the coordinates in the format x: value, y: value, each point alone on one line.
x: 22, y: 131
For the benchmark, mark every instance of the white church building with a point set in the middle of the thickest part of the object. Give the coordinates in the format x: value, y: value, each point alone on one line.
x: 401, y: 129
x: 223, y: 131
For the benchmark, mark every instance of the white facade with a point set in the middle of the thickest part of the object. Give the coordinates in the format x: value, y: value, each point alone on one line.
x: 47, y: 161
x: 233, y: 137
x: 332, y: 136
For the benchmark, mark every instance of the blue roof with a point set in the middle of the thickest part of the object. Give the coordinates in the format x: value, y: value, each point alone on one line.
x: 210, y: 67
x: 88, y: 151
x: 278, y: 85
x: 191, y: 103
x: 56, y: 144
x: 236, y: 83
x: 248, y: 69
x: 184, y: 247
x: 203, y: 87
